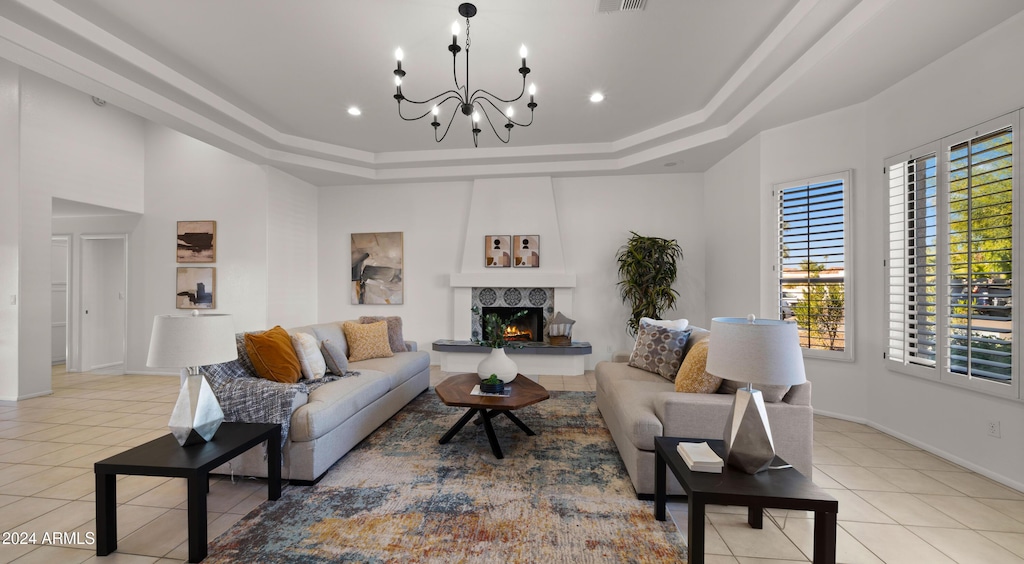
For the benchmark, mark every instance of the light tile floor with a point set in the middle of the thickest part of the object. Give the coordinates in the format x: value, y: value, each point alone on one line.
x: 897, y: 503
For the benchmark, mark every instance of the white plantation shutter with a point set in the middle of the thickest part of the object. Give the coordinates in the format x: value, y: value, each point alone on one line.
x: 950, y: 256
x: 813, y: 270
x: 912, y: 264
x: 980, y: 264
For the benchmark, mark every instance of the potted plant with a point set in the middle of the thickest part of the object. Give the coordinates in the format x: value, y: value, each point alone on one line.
x: 492, y: 385
x: 497, y: 362
x: 647, y: 270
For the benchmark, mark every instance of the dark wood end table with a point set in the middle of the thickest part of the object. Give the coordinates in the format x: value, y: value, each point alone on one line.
x: 456, y: 391
x: 165, y: 457
x: 781, y: 489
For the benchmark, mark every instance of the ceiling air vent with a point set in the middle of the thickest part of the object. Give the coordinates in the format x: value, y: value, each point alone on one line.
x: 615, y: 6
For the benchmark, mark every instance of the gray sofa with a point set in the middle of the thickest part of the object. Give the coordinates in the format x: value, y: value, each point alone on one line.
x: 638, y: 406
x: 325, y: 420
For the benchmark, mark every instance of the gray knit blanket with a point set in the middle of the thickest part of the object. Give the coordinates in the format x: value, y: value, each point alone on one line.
x: 245, y: 397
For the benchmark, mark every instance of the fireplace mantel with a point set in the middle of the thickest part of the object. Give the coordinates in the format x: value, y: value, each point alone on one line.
x: 503, y: 279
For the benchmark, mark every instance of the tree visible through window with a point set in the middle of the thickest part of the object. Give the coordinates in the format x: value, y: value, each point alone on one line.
x: 812, y: 260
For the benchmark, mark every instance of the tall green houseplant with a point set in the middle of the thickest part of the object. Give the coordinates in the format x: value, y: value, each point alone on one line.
x: 647, y: 270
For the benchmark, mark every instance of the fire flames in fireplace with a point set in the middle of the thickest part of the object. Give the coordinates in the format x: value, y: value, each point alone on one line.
x: 518, y: 334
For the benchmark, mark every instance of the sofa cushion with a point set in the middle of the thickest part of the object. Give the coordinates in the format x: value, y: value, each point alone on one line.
x: 273, y: 356
x: 659, y: 350
x: 692, y: 377
x: 676, y: 324
x: 367, y: 341
x: 334, y: 403
x: 333, y: 333
x: 311, y: 361
x: 395, y: 339
x: 399, y: 368
x: 634, y: 409
x: 334, y: 357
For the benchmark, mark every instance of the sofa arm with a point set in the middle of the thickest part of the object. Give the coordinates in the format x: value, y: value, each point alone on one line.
x: 411, y: 346
x: 621, y: 356
x: 698, y: 416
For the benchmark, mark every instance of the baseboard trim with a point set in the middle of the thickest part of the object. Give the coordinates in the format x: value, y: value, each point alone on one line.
x: 1008, y: 482
x: 152, y: 373
x: 27, y: 396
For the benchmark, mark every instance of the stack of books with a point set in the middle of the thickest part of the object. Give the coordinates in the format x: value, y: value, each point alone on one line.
x: 700, y: 458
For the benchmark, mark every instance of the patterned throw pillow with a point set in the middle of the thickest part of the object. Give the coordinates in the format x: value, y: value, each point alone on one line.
x: 273, y: 356
x: 310, y: 359
x: 367, y: 341
x: 692, y: 377
x: 659, y: 350
x: 395, y: 339
x: 334, y: 356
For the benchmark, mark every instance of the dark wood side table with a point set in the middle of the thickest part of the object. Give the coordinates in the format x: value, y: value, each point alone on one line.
x: 165, y: 457
x: 782, y: 489
x: 455, y: 391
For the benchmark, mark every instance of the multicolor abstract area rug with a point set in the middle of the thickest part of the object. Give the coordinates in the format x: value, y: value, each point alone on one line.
x: 560, y: 496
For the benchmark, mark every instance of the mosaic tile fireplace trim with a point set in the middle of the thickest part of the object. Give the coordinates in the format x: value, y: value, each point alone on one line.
x: 512, y: 297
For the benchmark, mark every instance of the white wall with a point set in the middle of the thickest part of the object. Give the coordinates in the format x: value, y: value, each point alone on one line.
x: 71, y: 148
x: 291, y: 249
x: 187, y: 180
x: 926, y: 106
x: 828, y: 143
x: 10, y: 222
x: 732, y: 212
x: 433, y: 219
x: 595, y: 215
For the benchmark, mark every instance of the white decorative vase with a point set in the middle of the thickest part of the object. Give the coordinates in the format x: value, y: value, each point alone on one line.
x: 497, y: 363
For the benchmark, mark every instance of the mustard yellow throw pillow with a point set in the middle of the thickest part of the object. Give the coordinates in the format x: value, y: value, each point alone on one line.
x: 692, y: 377
x: 273, y: 356
x: 367, y: 340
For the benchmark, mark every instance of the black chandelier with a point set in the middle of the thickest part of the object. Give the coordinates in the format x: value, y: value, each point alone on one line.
x: 471, y: 105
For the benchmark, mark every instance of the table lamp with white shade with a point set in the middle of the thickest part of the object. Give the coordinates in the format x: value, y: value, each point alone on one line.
x: 757, y: 352
x: 188, y: 342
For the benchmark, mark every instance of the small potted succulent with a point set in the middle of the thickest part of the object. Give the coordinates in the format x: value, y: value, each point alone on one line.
x: 492, y: 385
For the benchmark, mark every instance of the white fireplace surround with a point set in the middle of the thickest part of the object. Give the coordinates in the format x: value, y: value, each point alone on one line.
x: 511, y: 206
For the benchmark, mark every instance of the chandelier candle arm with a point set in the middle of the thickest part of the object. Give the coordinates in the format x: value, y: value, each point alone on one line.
x: 470, y: 105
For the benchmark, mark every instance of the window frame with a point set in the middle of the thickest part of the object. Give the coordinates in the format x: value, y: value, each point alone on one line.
x: 849, y: 335
x: 941, y: 372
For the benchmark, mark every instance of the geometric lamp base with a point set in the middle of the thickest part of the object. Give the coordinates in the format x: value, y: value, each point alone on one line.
x: 748, y: 437
x: 196, y: 415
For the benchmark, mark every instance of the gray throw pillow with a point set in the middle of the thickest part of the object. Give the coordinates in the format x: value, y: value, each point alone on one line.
x: 771, y: 394
x: 334, y: 356
x: 659, y: 350
x: 395, y: 339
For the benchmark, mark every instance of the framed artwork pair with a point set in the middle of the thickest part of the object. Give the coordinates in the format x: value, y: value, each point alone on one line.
x: 195, y: 287
x: 519, y: 251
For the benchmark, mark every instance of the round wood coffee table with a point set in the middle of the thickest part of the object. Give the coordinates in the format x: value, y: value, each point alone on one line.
x: 456, y: 391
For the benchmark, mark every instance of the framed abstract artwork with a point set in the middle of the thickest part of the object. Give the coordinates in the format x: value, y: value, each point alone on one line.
x: 378, y: 276
x: 526, y: 251
x: 196, y: 287
x: 497, y: 251
x: 197, y: 241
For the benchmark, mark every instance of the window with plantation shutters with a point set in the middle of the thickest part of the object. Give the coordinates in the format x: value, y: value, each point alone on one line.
x: 980, y: 298
x: 812, y: 262
x: 950, y: 260
x: 912, y: 264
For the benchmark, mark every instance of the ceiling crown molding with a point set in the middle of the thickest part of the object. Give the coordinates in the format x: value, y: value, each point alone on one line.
x: 132, y: 79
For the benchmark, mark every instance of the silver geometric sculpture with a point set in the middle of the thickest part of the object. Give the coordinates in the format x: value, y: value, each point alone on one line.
x: 748, y: 437
x: 196, y: 415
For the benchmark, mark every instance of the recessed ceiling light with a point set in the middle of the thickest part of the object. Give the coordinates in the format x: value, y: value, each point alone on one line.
x: 671, y: 163
x: 354, y: 111
x: 596, y: 97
